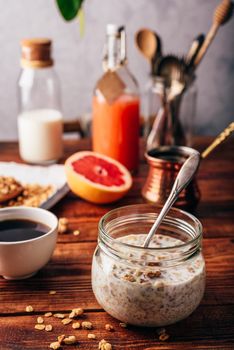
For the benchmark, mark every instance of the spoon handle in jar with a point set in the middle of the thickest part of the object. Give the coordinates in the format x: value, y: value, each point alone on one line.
x: 182, y: 180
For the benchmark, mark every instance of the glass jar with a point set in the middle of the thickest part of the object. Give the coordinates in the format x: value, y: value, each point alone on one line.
x: 169, y: 117
x: 153, y: 286
x: 40, y: 123
x: 116, y: 120
x: 150, y: 103
x: 188, y: 109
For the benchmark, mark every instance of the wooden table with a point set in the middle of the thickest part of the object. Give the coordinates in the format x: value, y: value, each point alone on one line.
x: 211, y: 326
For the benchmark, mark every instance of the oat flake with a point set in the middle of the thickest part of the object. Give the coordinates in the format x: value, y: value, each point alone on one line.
x: 70, y: 340
x: 29, y: 308
x: 39, y: 327
x: 76, y: 325
x: 40, y: 320
x: 55, y: 345
x: 66, y: 321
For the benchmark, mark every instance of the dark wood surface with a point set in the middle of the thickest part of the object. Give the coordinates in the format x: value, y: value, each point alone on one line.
x: 211, y: 326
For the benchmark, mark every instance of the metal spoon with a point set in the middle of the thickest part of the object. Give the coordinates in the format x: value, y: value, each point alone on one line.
x: 171, y: 68
x: 167, y: 128
x: 182, y: 180
x: 193, y: 51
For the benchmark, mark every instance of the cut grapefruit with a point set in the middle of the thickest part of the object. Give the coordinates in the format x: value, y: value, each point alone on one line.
x: 97, y: 178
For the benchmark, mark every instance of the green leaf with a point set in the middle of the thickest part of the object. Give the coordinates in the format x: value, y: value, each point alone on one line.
x: 69, y: 8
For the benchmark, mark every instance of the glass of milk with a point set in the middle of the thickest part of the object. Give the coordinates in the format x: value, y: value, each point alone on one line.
x: 40, y: 122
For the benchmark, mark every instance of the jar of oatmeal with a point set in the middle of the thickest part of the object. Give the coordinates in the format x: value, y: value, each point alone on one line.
x: 153, y: 286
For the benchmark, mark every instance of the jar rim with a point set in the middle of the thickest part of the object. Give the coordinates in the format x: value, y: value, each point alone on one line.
x: 110, y: 240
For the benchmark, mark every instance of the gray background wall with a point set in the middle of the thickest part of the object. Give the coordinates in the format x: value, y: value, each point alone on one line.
x: 78, y: 60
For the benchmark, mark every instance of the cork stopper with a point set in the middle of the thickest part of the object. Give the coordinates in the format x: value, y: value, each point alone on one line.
x: 36, y: 53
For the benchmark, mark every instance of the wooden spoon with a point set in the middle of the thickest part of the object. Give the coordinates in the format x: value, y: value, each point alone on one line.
x: 222, y: 14
x: 149, y: 44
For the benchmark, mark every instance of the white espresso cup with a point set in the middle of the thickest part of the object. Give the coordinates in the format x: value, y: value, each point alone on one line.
x: 22, y: 259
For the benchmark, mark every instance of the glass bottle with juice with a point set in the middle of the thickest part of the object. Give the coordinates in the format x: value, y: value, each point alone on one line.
x: 116, y: 121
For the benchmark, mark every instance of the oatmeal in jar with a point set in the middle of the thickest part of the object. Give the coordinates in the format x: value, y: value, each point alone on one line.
x: 153, y: 286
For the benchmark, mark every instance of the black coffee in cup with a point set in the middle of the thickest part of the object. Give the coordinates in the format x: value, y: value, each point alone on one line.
x: 16, y: 230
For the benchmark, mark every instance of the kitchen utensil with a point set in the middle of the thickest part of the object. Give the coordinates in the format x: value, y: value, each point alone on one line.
x: 149, y: 44
x: 171, y: 68
x: 222, y: 14
x: 218, y: 140
x: 193, y: 51
x: 183, y: 178
x: 161, y: 132
x: 167, y: 129
x: 164, y: 164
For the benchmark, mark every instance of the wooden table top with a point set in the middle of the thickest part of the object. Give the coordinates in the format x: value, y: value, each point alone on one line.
x: 211, y: 326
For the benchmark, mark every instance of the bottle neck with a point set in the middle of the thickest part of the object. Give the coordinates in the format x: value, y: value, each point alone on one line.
x: 112, y: 54
x: 115, y: 50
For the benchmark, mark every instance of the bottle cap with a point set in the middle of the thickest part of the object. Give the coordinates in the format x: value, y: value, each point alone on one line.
x: 36, y: 53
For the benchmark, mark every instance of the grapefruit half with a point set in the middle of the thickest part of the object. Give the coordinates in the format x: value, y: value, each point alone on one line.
x: 97, y: 178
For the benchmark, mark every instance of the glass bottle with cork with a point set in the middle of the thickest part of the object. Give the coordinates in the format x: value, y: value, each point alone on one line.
x: 116, y: 120
x: 40, y: 122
